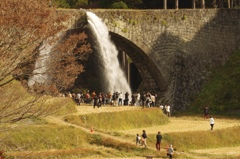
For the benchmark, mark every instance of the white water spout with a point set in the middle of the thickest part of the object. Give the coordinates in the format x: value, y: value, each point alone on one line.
x: 114, y: 74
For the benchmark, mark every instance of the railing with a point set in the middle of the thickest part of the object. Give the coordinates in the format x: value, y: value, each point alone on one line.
x: 215, y: 4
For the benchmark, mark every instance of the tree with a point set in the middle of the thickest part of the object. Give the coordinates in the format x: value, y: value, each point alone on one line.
x: 134, y: 3
x: 24, y: 25
x: 62, y: 4
x: 119, y: 5
x: 67, y: 58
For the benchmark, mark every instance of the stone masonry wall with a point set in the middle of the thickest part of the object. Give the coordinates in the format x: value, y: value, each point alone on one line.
x: 183, y: 44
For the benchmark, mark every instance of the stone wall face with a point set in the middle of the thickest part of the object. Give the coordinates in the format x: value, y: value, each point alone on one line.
x: 183, y: 44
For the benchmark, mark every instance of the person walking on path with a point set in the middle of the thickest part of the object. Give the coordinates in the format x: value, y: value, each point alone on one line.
x: 206, y: 112
x: 211, y: 122
x: 138, y: 139
x: 144, y: 138
x: 158, y: 143
x: 170, y: 152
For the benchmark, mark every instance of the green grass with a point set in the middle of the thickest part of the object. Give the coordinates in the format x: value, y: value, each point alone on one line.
x: 120, y: 120
x: 71, y: 142
x: 185, y: 141
x: 43, y: 137
x: 47, y: 140
x: 16, y: 97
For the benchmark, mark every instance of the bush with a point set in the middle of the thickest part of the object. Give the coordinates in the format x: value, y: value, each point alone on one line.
x: 119, y: 5
x: 62, y: 4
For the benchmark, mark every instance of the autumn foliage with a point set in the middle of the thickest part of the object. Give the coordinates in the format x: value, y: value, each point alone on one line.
x: 24, y: 27
x: 70, y: 53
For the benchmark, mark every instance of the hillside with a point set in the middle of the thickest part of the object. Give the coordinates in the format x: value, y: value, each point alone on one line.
x: 221, y: 92
x: 72, y: 131
x: 55, y: 137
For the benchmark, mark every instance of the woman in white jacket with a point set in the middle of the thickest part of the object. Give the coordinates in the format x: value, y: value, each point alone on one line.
x: 170, y: 152
x: 211, y: 122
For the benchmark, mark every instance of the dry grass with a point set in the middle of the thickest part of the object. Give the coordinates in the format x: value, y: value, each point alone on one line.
x: 190, y: 128
x: 113, y: 121
x: 185, y: 133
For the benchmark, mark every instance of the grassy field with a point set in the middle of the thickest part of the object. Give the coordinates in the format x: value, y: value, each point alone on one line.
x: 69, y: 131
x: 67, y: 136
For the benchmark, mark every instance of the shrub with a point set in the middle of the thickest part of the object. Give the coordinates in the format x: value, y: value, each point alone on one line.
x: 119, y: 5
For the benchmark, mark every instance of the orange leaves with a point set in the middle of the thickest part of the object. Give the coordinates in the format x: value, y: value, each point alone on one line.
x: 23, y: 26
x: 67, y: 59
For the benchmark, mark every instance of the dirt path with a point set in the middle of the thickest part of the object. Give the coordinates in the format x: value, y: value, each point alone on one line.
x: 88, y: 110
x: 225, y: 152
x: 177, y: 124
x: 186, y: 124
x: 59, y: 121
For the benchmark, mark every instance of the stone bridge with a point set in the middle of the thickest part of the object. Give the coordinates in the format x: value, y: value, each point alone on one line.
x: 173, y: 50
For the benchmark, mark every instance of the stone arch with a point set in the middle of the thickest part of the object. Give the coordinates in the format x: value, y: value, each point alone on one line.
x: 152, y: 79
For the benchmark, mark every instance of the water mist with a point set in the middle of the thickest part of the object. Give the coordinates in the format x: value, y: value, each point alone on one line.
x: 40, y: 71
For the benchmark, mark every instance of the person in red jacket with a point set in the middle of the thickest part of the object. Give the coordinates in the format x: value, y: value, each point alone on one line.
x: 158, y: 142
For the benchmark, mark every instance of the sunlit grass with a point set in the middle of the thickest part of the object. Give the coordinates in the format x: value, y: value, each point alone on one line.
x: 120, y: 120
x: 17, y: 100
x: 184, y: 141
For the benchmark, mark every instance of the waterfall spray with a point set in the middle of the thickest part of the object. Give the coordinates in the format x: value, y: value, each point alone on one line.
x: 115, y: 76
x: 40, y: 71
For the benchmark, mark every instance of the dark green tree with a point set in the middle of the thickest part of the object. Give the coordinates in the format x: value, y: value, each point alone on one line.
x: 62, y: 4
x: 119, y: 5
x: 134, y: 4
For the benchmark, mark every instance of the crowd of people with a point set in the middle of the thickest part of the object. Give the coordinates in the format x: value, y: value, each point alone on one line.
x: 145, y: 100
x: 116, y: 99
